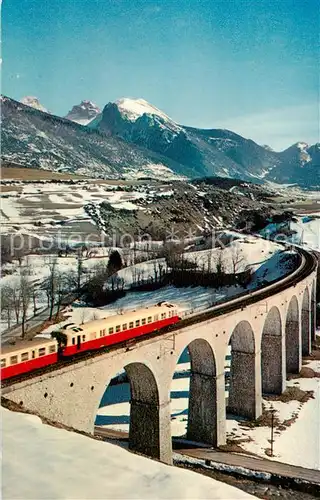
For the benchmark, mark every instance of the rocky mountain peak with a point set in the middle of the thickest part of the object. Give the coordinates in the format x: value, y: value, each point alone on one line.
x: 33, y: 102
x: 84, y: 112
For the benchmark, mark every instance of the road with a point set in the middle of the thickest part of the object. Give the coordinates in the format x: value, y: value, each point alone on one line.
x: 253, y: 464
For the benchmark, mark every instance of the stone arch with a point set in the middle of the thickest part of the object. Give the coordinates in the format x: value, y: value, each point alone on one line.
x: 202, y: 408
x: 313, y: 310
x: 143, y: 397
x: 243, y: 373
x: 144, y: 432
x: 273, y: 375
x: 293, y: 341
x: 306, y: 323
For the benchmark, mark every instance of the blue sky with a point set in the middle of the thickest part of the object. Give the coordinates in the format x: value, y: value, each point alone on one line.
x: 248, y: 65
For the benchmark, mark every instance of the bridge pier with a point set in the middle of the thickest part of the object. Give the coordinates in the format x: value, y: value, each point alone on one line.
x: 293, y: 347
x: 272, y: 367
x: 150, y: 432
x: 242, y: 394
x: 293, y: 338
x: 306, y: 331
x: 202, y: 413
x: 150, y: 417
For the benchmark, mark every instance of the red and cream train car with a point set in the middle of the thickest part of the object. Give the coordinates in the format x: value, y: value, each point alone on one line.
x: 27, y: 355
x: 118, y: 328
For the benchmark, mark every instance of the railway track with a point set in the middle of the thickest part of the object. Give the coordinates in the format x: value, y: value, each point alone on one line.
x: 307, y: 264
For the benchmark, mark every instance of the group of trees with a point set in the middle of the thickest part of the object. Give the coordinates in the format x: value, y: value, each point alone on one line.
x: 22, y: 295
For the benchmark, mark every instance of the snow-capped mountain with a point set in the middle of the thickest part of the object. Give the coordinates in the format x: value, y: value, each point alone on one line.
x: 33, y: 102
x: 201, y: 152
x: 83, y: 113
x: 134, y: 108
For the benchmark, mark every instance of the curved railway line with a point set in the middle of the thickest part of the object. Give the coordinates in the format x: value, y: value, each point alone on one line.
x: 306, y: 265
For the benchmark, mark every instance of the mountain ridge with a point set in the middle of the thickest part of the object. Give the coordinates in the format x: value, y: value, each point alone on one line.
x: 125, y: 140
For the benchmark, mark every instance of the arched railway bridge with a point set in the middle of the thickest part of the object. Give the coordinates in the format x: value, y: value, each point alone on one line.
x: 269, y: 330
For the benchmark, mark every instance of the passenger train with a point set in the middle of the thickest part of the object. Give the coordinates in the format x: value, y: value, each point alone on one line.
x: 28, y: 355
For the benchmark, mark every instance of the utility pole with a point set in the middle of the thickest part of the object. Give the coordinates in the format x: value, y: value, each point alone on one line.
x: 272, y: 424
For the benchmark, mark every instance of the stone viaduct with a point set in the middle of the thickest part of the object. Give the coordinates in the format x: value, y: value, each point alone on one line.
x: 268, y: 339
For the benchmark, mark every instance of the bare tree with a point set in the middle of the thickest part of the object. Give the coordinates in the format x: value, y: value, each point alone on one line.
x: 237, y: 258
x: 220, y: 266
x: 61, y: 289
x: 16, y: 300
x: 34, y: 295
x: 26, y: 295
x: 79, y: 270
x: 50, y: 285
x: 209, y: 261
x: 7, y: 304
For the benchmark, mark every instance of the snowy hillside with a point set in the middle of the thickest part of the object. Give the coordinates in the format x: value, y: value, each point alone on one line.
x: 56, y: 464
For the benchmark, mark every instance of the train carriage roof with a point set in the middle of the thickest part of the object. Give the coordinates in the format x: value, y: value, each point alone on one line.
x: 25, y: 345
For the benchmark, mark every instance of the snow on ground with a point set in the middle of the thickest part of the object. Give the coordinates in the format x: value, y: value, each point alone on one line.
x: 56, y: 464
x: 61, y: 201
x: 243, y: 251
x: 308, y: 232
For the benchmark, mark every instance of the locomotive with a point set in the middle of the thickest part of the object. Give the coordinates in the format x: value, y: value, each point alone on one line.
x: 29, y: 355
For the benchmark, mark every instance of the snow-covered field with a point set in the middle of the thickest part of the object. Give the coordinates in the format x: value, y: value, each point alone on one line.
x: 41, y: 462
x: 308, y: 231
x: 59, y: 202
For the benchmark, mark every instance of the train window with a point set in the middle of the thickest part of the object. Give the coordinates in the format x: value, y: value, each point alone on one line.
x: 118, y: 328
x: 110, y: 330
x: 169, y: 314
x: 138, y: 322
x: 163, y: 316
x: 131, y: 324
x: 156, y: 317
x: 125, y: 326
x: 104, y: 331
x: 52, y: 348
x: 143, y: 321
x: 24, y: 356
x: 83, y: 338
x: 13, y: 360
x: 33, y: 354
x: 73, y: 340
x: 149, y: 319
x: 3, y: 362
x: 101, y: 333
x: 42, y: 351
